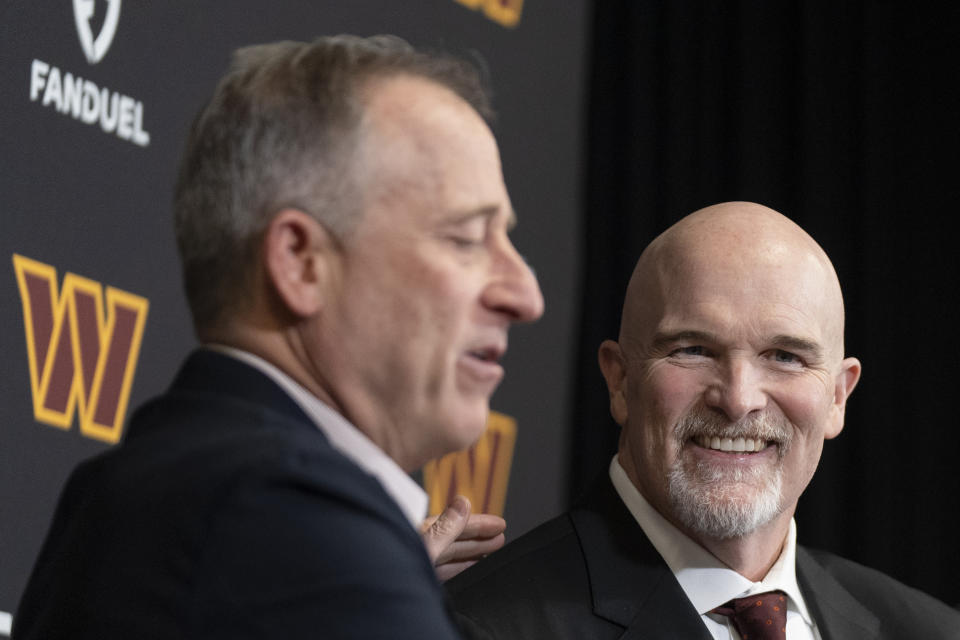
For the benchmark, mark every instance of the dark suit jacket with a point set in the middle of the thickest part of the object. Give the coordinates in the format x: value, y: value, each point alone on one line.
x: 227, y: 514
x: 592, y: 573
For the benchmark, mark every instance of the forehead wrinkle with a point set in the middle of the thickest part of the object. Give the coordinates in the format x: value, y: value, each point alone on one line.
x: 736, y: 240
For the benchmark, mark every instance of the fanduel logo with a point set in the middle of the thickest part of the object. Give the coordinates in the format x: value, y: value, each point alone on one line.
x: 79, y: 361
x: 82, y: 99
x: 480, y: 473
x: 95, y: 48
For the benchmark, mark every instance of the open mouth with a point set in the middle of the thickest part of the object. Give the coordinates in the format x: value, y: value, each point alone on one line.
x: 482, y: 365
x: 486, y: 355
x: 491, y: 354
x: 733, y: 445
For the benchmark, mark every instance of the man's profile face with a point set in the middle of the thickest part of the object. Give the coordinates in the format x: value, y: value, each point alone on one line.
x: 731, y: 366
x: 428, y: 283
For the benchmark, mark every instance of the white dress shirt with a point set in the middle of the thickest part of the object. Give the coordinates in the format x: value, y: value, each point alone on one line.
x: 345, y: 437
x: 708, y: 582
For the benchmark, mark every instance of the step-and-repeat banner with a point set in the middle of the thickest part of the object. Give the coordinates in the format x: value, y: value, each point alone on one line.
x: 96, y: 99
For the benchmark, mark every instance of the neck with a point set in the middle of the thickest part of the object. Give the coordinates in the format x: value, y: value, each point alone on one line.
x: 283, y: 348
x: 276, y: 348
x: 754, y: 554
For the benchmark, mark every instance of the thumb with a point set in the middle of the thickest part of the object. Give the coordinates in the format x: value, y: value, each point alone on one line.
x: 443, y: 532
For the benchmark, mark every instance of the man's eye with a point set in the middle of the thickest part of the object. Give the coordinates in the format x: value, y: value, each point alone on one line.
x: 465, y: 242
x: 786, y: 357
x: 693, y: 350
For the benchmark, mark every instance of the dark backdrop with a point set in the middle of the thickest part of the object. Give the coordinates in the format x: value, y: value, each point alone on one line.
x: 90, y: 203
x: 842, y: 116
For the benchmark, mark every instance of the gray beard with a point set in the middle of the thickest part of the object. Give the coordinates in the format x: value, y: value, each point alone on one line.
x: 713, y: 500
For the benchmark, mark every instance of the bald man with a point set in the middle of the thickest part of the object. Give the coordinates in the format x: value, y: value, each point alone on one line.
x: 728, y: 376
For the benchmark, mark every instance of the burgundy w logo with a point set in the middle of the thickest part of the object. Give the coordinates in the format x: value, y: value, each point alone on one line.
x: 79, y: 360
x: 481, y: 473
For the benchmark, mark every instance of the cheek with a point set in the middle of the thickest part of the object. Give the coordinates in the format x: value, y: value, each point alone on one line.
x: 661, y: 397
x: 668, y: 393
x: 807, y: 404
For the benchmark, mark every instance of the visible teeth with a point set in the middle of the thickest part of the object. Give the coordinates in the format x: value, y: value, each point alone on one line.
x: 736, y: 445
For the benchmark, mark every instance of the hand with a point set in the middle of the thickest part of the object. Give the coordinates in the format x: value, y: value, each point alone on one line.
x: 456, y: 539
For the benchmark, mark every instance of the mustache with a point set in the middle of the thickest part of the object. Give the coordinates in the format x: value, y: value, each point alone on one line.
x: 770, y: 427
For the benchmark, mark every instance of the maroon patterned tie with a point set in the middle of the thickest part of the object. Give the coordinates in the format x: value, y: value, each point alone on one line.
x: 762, y: 616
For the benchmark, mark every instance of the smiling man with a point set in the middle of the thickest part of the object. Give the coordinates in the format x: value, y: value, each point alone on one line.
x: 728, y: 376
x: 342, y: 223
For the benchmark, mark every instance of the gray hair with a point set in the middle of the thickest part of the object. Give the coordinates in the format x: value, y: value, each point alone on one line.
x: 280, y: 131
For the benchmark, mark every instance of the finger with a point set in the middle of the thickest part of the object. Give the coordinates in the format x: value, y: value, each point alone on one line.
x: 442, y: 532
x: 483, y: 525
x: 427, y: 523
x: 473, y: 549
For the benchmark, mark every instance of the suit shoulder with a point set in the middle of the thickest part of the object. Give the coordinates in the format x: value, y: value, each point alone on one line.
x: 535, y: 587
x: 522, y: 559
x: 896, y: 605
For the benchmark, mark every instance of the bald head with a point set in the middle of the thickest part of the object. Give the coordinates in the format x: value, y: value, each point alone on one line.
x: 728, y: 376
x: 743, y: 249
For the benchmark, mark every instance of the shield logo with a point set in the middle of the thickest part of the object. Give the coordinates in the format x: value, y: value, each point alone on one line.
x: 95, y: 48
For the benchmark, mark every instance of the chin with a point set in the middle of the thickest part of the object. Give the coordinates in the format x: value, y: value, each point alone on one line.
x: 724, y: 509
x: 465, y: 428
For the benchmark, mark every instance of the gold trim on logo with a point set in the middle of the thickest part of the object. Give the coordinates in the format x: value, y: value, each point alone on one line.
x: 481, y: 473
x: 504, y: 12
x: 79, y: 361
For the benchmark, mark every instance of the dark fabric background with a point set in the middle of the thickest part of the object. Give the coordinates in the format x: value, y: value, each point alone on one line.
x: 843, y: 116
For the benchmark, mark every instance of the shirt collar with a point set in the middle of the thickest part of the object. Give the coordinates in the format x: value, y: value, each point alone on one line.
x: 344, y: 437
x: 707, y: 581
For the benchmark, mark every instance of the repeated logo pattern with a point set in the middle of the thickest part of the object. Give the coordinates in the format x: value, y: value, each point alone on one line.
x: 480, y: 473
x: 81, y: 361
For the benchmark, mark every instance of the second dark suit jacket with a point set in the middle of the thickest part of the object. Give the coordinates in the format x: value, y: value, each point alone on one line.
x: 592, y: 573
x: 227, y: 514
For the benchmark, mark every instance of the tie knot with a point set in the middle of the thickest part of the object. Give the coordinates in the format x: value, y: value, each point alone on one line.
x: 762, y: 616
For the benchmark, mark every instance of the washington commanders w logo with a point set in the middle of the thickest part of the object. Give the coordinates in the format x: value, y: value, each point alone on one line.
x: 480, y: 473
x: 80, y: 361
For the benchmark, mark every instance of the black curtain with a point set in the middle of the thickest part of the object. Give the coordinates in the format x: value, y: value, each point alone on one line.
x: 843, y: 116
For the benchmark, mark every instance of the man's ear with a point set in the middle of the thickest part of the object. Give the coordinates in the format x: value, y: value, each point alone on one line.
x: 615, y: 373
x: 296, y: 254
x: 844, y: 384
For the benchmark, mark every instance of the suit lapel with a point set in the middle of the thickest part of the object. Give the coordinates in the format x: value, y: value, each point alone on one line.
x: 837, y: 613
x: 631, y: 584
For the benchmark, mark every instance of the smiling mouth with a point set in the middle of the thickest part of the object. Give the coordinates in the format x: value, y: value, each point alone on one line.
x: 732, y: 445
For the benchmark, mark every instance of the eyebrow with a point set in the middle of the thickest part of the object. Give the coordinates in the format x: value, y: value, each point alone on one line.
x: 488, y: 211
x: 794, y: 343
x: 662, y: 340
x: 782, y: 341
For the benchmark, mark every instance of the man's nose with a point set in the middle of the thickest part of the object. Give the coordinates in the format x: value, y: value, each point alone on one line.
x: 737, y: 391
x: 513, y: 290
